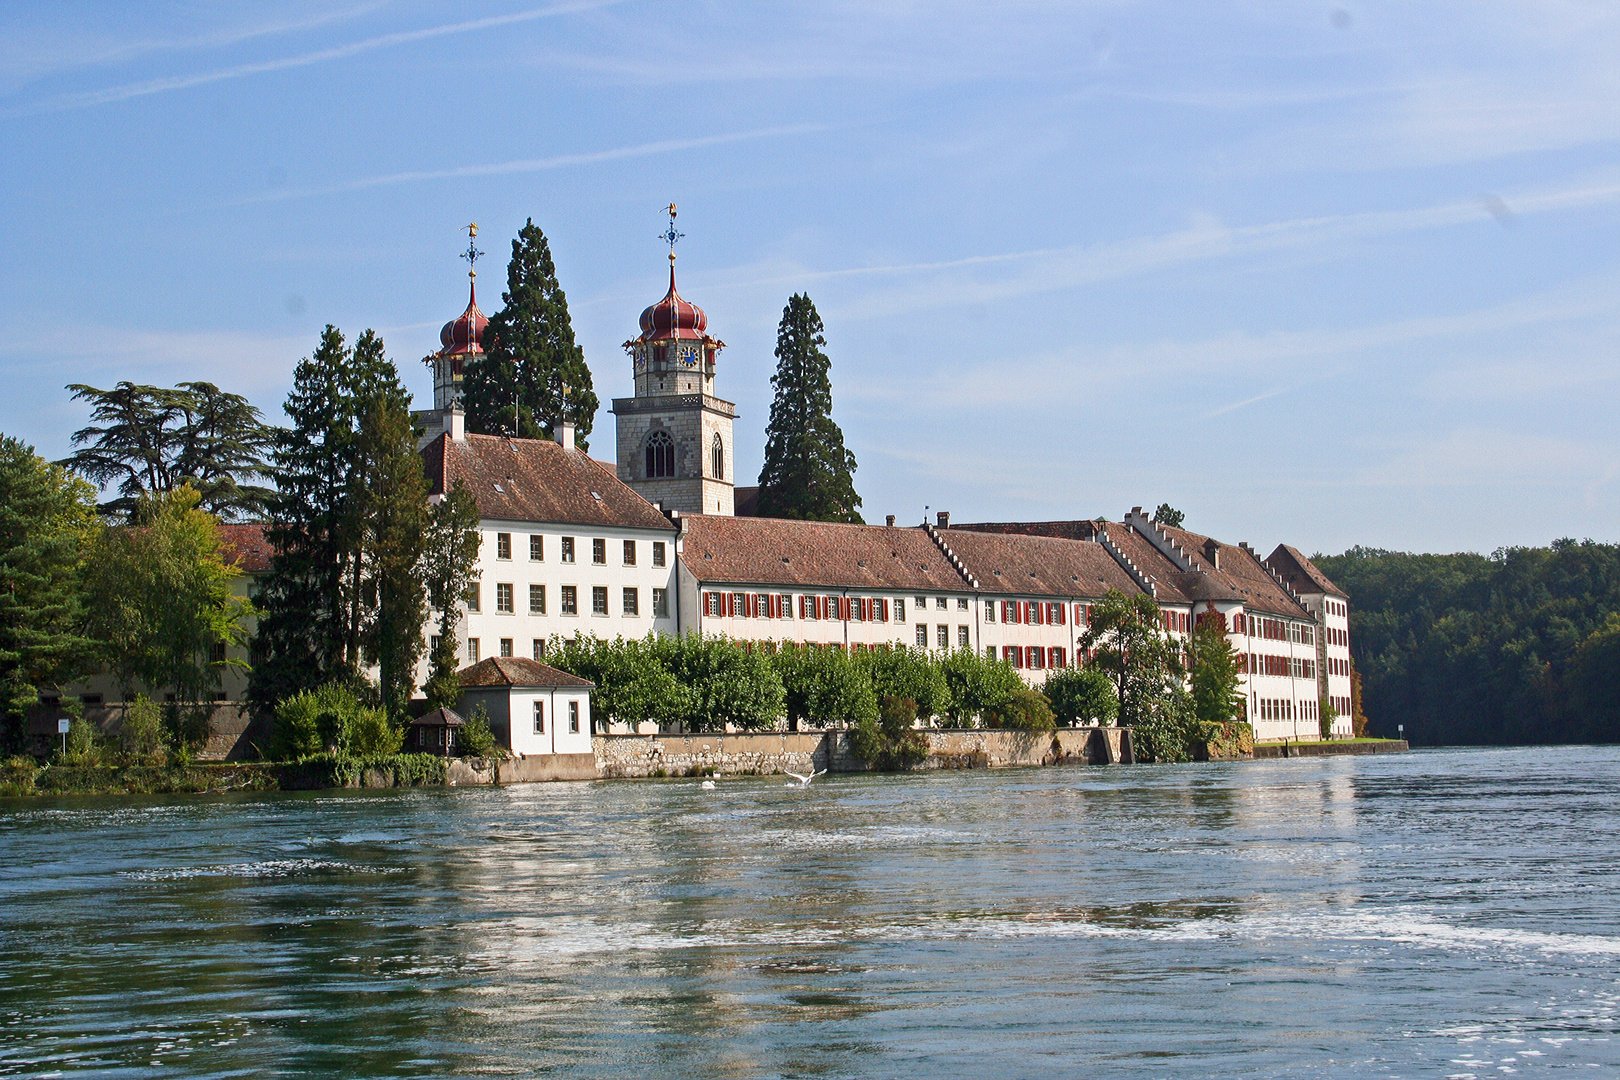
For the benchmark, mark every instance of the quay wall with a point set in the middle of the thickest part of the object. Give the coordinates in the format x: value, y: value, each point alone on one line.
x: 1329, y: 749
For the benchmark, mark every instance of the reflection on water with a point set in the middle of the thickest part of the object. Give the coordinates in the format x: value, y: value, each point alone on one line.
x: 1437, y: 914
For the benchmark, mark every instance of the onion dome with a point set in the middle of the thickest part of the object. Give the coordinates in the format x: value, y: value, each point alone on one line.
x: 673, y: 317
x: 464, y: 336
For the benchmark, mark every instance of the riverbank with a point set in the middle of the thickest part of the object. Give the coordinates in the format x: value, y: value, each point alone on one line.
x: 21, y: 777
x: 1333, y: 748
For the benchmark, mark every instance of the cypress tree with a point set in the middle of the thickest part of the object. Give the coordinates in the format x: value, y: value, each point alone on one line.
x: 451, y: 561
x: 529, y: 354
x: 808, y: 473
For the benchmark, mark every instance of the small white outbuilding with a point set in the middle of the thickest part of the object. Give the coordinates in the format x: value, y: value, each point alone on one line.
x: 534, y: 709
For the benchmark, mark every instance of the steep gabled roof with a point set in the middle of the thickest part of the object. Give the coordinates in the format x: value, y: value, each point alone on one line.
x: 1167, y: 578
x: 1301, y: 574
x: 1014, y: 564
x: 246, y: 546
x: 537, y: 480
x: 814, y: 555
x: 517, y: 671
x: 1240, y: 572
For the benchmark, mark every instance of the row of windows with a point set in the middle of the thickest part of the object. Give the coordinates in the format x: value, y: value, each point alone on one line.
x: 540, y: 717
x: 1337, y: 666
x: 599, y: 549
x: 1336, y: 608
x: 1035, y: 657
x: 1284, y: 709
x: 1283, y: 630
x: 660, y: 456
x: 1341, y: 705
x: 1335, y: 636
x: 568, y: 600
x: 942, y: 636
x: 1036, y: 612
x: 1289, y: 667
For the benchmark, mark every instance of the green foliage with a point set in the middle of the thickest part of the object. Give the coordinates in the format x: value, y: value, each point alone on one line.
x: 1025, y: 710
x: 888, y: 740
x: 1166, y: 728
x: 450, y: 562
x: 477, y: 740
x: 81, y: 748
x: 1216, y: 679
x: 530, y: 357
x: 824, y: 688
x: 909, y: 673
x: 351, y: 770
x: 149, y: 440
x: 1469, y: 648
x: 978, y: 686
x: 1081, y: 697
x: 1326, y: 714
x: 808, y: 473
x: 1133, y: 650
x: 727, y: 683
x: 143, y: 732
x: 313, y: 722
x: 1169, y: 515
x: 632, y: 683
x: 47, y: 519
x: 161, y: 597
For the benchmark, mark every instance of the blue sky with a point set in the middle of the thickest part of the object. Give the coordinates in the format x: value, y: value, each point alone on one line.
x: 1322, y: 273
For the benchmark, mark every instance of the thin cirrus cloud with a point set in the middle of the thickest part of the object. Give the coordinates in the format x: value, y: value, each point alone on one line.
x: 385, y: 41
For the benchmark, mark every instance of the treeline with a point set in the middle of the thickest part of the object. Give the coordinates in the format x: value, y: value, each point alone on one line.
x: 1521, y: 646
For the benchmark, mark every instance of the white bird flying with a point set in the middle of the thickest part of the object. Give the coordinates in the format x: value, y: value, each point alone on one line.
x: 804, y: 781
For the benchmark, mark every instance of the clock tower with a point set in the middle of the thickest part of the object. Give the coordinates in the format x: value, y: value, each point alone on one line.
x: 674, y: 436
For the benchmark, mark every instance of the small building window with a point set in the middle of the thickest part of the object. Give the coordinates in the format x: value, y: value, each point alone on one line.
x: 539, y: 648
x: 506, y: 646
x: 568, y: 549
x: 570, y: 600
x: 941, y: 603
x: 658, y: 553
x: 962, y: 636
x: 573, y: 717
x: 599, y: 552
x: 539, y: 717
x: 961, y: 603
x: 989, y: 611
x: 472, y: 597
x: 719, y: 458
x: 989, y: 652
x: 503, y: 598
x: 599, y: 600
x: 472, y: 650
x: 942, y: 636
x: 629, y: 553
x: 660, y: 601
x: 537, y: 548
x: 216, y: 653
x: 922, y: 635
x: 503, y: 545
x: 537, y: 599
x: 632, y: 601
x: 660, y: 455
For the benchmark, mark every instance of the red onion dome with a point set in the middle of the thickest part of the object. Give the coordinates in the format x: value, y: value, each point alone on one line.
x: 465, y: 335
x: 673, y: 317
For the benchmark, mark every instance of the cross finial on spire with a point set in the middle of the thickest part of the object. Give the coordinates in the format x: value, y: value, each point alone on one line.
x: 669, y: 235
x: 472, y: 253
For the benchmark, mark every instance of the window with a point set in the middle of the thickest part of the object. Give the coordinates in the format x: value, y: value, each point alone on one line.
x: 599, y: 552
x: 216, y: 653
x: 537, y: 549
x: 1033, y: 613
x: 961, y: 603
x: 921, y: 602
x: 472, y: 597
x: 1054, y: 658
x: 899, y: 610
x: 660, y: 600
x: 537, y: 599
x: 943, y: 636
x: 922, y: 635
x: 714, y: 604
x: 1009, y: 611
x: 989, y: 611
x: 573, y: 717
x: 762, y: 605
x: 941, y: 603
x: 739, y: 605
x: 989, y: 652
x: 660, y: 455
x: 787, y: 605
x: 472, y: 650
x: 506, y: 646
x: 718, y: 454
x: 539, y: 648
x: 599, y: 600
x: 570, y: 600
x: 568, y: 549
x: 629, y: 553
x: 433, y: 644
x: 539, y: 718
x: 962, y: 636
x: 1035, y: 657
x: 1013, y: 655
x: 503, y: 545
x: 503, y: 598
x: 658, y: 553
x: 1054, y: 614
x: 632, y: 601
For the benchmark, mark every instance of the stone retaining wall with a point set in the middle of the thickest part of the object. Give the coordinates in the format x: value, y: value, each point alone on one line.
x: 1329, y: 749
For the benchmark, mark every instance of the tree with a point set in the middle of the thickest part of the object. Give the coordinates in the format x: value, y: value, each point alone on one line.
x: 726, y: 683
x: 978, y: 685
x: 909, y: 674
x: 47, y: 519
x: 1024, y: 710
x: 149, y: 440
x: 1132, y: 649
x: 530, y: 361
x: 1215, y: 675
x: 889, y: 740
x: 808, y: 473
x: 1169, y: 515
x: 161, y: 599
x: 1081, y: 697
x: 450, y: 559
x: 631, y: 684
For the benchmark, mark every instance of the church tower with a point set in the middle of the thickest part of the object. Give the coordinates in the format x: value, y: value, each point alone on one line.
x: 674, y: 436
x: 462, y: 338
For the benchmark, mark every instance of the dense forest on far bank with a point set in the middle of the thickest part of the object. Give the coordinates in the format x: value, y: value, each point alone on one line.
x: 1521, y: 646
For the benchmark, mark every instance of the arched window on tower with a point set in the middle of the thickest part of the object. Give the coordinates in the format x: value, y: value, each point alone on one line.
x: 660, y: 455
x: 719, y: 456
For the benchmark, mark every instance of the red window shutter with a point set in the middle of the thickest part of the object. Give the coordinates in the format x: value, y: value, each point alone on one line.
x: 844, y: 612
x: 882, y: 611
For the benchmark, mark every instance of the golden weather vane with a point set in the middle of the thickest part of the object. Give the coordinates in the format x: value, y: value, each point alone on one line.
x: 472, y: 253
x: 669, y: 235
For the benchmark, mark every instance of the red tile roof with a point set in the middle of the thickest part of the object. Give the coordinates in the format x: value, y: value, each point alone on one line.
x: 246, y: 546
x: 1301, y: 574
x: 537, y: 480
x: 517, y: 671
x: 1241, y: 571
x: 814, y: 555
x: 1037, y: 565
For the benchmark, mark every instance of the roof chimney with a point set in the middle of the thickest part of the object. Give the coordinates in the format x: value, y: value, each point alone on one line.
x: 942, y: 520
x: 889, y: 521
x: 565, y: 434
x: 456, y: 424
x: 1212, y: 553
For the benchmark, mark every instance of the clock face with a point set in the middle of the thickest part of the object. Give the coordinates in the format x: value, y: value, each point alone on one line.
x: 689, y: 356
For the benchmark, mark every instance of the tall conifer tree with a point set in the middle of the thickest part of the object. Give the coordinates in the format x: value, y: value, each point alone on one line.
x: 530, y: 356
x: 808, y: 473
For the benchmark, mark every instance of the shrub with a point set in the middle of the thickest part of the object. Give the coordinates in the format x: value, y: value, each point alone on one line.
x: 1081, y: 696
x: 370, y: 732
x: 477, y: 740
x: 1025, y: 710
x: 331, y: 719
x: 908, y: 673
x: 890, y: 741
x: 82, y: 750
x: 978, y: 685
x: 144, y: 733
x: 1327, y: 714
x: 1168, y: 729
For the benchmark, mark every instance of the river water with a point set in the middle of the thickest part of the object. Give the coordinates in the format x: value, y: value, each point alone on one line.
x: 1435, y: 914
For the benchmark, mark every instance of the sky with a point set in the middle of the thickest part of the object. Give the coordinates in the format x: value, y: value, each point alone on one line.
x: 1317, y: 273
